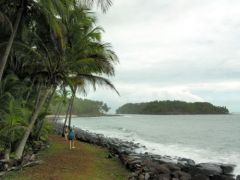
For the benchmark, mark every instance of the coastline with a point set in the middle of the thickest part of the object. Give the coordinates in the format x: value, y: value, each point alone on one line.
x: 183, y: 114
x: 150, y: 166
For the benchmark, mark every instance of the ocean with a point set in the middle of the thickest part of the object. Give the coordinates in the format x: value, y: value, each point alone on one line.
x: 203, y: 138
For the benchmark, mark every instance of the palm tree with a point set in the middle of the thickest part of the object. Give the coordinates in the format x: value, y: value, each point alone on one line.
x: 13, y: 116
x: 58, y: 48
x: 25, y: 10
x: 10, y: 41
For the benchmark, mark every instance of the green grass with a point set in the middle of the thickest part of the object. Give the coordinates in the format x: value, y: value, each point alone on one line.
x: 87, y: 162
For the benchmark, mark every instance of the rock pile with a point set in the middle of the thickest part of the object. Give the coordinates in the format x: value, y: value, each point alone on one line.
x: 147, y: 166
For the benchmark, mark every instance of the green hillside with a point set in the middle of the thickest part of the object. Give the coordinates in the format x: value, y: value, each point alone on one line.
x: 171, y: 107
x: 82, y: 107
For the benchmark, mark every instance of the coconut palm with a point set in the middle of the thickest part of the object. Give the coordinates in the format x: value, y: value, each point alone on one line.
x: 57, y: 45
x: 23, y: 10
x: 50, y: 9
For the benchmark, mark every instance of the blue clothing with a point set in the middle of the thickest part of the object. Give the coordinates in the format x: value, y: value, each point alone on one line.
x: 71, y: 135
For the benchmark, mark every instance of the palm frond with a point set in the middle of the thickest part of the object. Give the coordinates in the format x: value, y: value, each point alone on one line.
x: 97, y: 80
x: 103, y: 4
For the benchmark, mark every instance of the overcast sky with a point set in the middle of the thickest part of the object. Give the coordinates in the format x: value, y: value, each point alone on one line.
x: 174, y: 50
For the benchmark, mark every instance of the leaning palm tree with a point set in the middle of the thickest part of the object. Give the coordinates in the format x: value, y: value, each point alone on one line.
x: 23, y: 10
x: 84, y: 57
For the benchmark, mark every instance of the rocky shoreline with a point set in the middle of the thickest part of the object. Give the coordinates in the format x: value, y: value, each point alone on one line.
x: 149, y: 166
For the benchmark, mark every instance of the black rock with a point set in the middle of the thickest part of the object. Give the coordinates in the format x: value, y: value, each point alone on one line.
x: 164, y: 177
x: 200, y: 177
x: 163, y: 169
x: 186, y: 162
x: 221, y: 177
x: 210, y: 169
x: 227, y: 168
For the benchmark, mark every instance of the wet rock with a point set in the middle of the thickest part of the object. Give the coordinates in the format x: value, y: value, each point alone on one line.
x: 182, y: 175
x: 227, y: 168
x: 164, y: 177
x: 221, y: 177
x: 210, y: 169
x: 163, y: 169
x: 173, y: 167
x: 186, y: 162
x: 200, y: 177
x: 238, y: 177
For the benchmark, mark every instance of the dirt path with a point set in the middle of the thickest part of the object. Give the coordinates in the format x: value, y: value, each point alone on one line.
x: 86, y: 162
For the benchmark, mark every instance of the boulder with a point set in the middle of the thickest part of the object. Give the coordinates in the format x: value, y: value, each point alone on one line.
x: 210, y: 169
x: 200, y: 177
x: 182, y: 175
x: 173, y: 167
x: 221, y: 177
x: 164, y: 177
x: 162, y: 169
x: 227, y: 168
x: 186, y: 162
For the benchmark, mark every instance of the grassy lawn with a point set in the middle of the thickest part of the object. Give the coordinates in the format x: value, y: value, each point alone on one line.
x: 86, y: 162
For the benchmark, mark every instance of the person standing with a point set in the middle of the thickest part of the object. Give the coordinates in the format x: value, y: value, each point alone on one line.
x: 71, y: 137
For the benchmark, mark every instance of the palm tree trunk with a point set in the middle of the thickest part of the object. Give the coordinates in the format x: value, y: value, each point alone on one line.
x: 66, y: 116
x: 10, y: 41
x: 40, y: 124
x: 70, y: 113
x: 58, y: 112
x: 39, y: 89
x: 29, y: 92
x: 50, y: 98
x: 20, y: 148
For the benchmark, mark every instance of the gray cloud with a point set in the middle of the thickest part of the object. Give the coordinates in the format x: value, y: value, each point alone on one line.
x: 181, y: 49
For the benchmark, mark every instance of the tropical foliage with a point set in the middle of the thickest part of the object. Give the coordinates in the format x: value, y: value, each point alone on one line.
x: 81, y: 107
x: 46, y: 47
x: 171, y: 107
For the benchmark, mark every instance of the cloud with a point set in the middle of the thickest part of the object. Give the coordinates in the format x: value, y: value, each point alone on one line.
x: 177, y: 49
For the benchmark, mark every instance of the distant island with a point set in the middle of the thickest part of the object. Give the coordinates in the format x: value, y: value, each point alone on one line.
x: 171, y: 108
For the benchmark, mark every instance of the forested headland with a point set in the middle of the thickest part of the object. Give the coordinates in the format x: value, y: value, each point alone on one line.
x: 171, y: 107
x: 81, y: 107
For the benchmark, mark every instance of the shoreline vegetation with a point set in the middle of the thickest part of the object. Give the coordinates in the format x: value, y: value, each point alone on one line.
x: 81, y: 107
x: 51, y: 52
x: 171, y: 108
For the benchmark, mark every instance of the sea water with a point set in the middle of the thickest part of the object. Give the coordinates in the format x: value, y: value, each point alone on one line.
x: 203, y: 138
